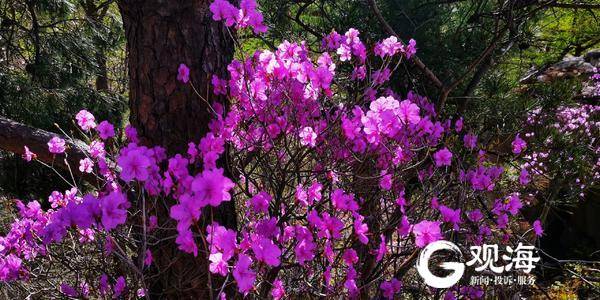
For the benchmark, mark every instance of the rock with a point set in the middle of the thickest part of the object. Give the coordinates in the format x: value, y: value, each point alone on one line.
x: 569, y: 67
x: 593, y: 57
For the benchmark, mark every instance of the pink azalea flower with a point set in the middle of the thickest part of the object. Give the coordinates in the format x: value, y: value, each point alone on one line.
x: 278, y: 291
x: 404, y: 227
x: 85, y: 120
x: 382, y: 250
x: 120, y: 286
x: 451, y: 216
x: 518, y: 145
x: 475, y: 215
x: 86, y: 236
x: 251, y: 17
x: 114, y: 209
x: 141, y: 292
x: 426, y: 232
x: 104, y: 286
x: 380, y: 77
x: 386, y: 182
x: 86, y: 165
x: 105, y: 130
x: 389, y: 46
x: 183, y: 73
x: 186, y: 212
x: 301, y: 195
x: 28, y: 155
x: 314, y: 192
x: 96, y: 149
x: 260, y: 202
x: 221, y: 240
x: 152, y: 223
x: 134, y: 165
x: 223, y: 10
x: 411, y: 48
x: 514, y: 204
x: 350, y: 283
x: 502, y: 221
x: 305, y: 247
x: 85, y: 289
x: 524, y: 177
x: 217, y: 264
x: 537, y: 228
x: 458, y: 125
x: 266, y: 251
x: 219, y: 85
x: 390, y: 288
x: 148, y: 257
x: 328, y: 251
x: 442, y: 157
x: 350, y: 257
x: 344, y: 52
x: 185, y: 242
x: 409, y: 112
x: 68, y: 290
x: 212, y: 187
x: 321, y: 78
x: 361, y: 229
x: 435, y: 204
x: 470, y: 141
x: 343, y: 201
x: 243, y: 274
x: 56, y: 145
x: 308, y: 137
x: 131, y: 134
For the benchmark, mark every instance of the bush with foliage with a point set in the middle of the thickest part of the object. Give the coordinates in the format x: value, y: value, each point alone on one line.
x: 339, y: 182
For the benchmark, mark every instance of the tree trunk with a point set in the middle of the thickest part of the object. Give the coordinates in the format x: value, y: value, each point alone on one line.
x: 102, y: 76
x: 95, y: 14
x: 161, y: 34
x: 14, y: 136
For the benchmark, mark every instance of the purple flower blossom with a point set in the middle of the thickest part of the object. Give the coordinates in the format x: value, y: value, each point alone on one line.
x: 537, y: 228
x: 85, y: 120
x: 56, y: 145
x: 183, y: 73
x: 278, y: 291
x: 86, y: 165
x: 105, y: 130
x: 134, y: 164
x: 28, y: 155
x: 426, y: 232
x: 518, y: 145
x: 442, y: 157
x: 243, y: 274
x: 114, y: 209
x: 470, y: 141
x: 451, y: 216
x: 524, y: 177
x: 260, y: 202
x: 120, y: 286
x: 390, y: 288
x: 308, y: 137
x: 211, y: 187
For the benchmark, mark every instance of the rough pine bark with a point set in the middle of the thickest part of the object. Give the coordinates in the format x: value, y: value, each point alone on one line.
x: 160, y: 35
x: 14, y: 136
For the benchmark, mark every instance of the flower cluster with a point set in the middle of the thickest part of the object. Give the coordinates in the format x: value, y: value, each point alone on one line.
x: 337, y: 179
x: 245, y: 16
x: 566, y: 145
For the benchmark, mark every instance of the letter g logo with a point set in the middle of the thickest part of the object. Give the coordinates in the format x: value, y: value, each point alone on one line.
x: 435, y: 281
